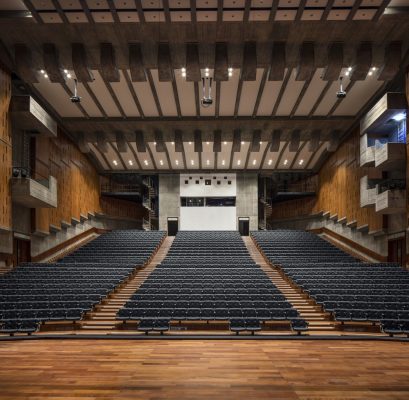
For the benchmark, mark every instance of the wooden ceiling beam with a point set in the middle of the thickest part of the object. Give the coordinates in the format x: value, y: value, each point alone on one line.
x: 52, y: 63
x: 160, y: 144
x: 334, y: 140
x: 178, y: 141
x: 24, y: 63
x: 82, y: 143
x: 249, y: 68
x: 335, y: 61
x: 192, y: 63
x: 393, y: 58
x: 121, y: 142
x: 140, y: 141
x: 295, y: 140
x: 306, y: 64
x: 236, y: 146
x: 221, y: 62
x: 165, y: 71
x: 108, y: 68
x: 136, y: 66
x: 102, y: 142
x: 363, y: 62
x: 80, y: 63
x: 278, y: 62
x: 217, y: 141
x: 198, y: 144
x: 275, y: 140
x: 314, y: 141
x: 255, y: 141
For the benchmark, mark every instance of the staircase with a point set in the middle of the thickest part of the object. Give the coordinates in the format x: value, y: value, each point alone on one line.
x: 318, y: 321
x: 103, y: 317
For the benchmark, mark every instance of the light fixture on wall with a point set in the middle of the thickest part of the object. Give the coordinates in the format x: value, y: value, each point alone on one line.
x: 399, y: 117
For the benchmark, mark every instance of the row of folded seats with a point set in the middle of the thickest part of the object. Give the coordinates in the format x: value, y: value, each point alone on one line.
x: 35, y: 293
x: 350, y: 290
x: 208, y: 276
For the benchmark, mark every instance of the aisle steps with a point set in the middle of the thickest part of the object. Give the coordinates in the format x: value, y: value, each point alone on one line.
x: 104, y: 315
x: 318, y: 320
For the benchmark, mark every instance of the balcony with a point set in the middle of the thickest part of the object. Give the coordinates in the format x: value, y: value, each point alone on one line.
x: 390, y: 156
x: 391, y: 202
x: 34, y: 194
x: 367, y: 194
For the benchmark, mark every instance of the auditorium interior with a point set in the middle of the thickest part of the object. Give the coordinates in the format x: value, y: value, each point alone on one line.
x: 204, y: 199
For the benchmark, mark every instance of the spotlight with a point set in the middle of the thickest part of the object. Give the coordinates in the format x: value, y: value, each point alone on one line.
x: 254, y: 162
x: 238, y: 162
x: 301, y: 162
x: 69, y: 76
x: 45, y: 76
x: 65, y: 71
x: 42, y: 71
x: 270, y: 162
x: 341, y: 92
x: 242, y: 142
x: 285, y: 162
x: 370, y: 73
x: 115, y: 162
x: 399, y: 117
x: 130, y: 162
x: 223, y: 162
x: 146, y: 162
x: 161, y: 162
x: 183, y: 69
x: 177, y: 162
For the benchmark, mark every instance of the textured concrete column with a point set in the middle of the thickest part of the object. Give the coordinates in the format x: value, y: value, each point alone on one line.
x: 169, y: 198
x: 247, y: 198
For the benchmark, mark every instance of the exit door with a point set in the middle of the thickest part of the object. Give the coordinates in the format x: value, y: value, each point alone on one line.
x: 244, y: 226
x: 173, y: 226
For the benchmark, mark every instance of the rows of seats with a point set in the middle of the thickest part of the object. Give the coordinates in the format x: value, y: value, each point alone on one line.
x: 34, y: 293
x: 208, y: 276
x: 350, y: 290
x: 121, y: 246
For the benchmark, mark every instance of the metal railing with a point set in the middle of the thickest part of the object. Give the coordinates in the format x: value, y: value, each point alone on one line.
x: 113, y: 187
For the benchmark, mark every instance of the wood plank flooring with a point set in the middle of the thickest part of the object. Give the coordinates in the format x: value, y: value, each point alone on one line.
x: 203, y: 369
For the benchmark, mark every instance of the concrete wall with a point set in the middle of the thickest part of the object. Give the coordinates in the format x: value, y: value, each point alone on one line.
x: 169, y: 199
x: 247, y: 198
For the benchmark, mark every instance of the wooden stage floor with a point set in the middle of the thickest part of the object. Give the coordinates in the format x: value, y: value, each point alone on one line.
x: 204, y: 369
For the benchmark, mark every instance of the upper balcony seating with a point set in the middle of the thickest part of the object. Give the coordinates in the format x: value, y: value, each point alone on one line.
x: 349, y: 290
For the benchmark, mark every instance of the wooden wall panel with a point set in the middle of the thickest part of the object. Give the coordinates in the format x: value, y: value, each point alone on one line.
x: 338, y: 190
x: 122, y: 208
x: 78, y: 181
x: 293, y: 208
x: 5, y: 151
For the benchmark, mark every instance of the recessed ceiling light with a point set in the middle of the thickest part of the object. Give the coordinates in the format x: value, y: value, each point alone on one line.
x: 230, y: 69
x: 154, y: 143
x: 270, y: 162
x: 177, y: 162
x: 261, y: 142
x: 254, y: 162
x: 207, y: 70
x: 184, y: 74
x: 370, y: 73
x: 242, y: 142
x: 224, y: 142
x: 45, y: 76
x: 146, y: 162
x: 347, y: 73
x: 238, y: 162
x: 230, y: 73
x: 207, y: 162
x: 69, y: 76
x: 173, y: 143
x: 373, y: 68
x: 161, y: 162
x: 301, y: 162
x: 192, y: 162
x: 190, y: 142
x: 350, y: 69
x: 130, y: 162
x: 399, y: 117
x: 115, y: 162
x: 285, y: 162
x: 223, y: 162
x: 183, y: 69
x: 207, y: 143
x: 42, y: 71
x: 65, y: 71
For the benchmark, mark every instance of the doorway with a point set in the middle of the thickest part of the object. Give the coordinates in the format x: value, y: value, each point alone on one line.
x: 21, y: 251
x: 397, y: 251
x: 173, y: 226
x: 244, y: 226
